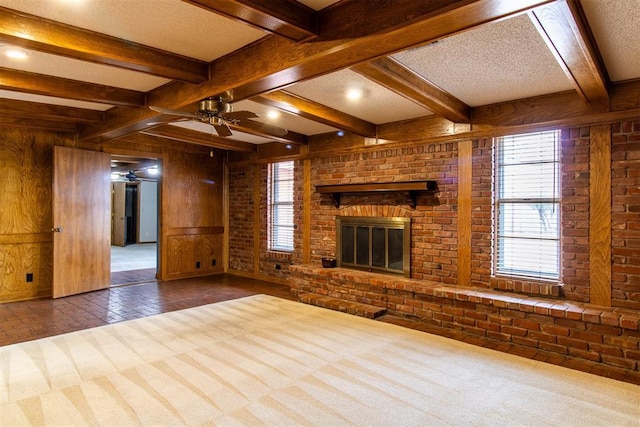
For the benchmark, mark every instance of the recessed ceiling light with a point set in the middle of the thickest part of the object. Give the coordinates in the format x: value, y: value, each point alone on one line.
x: 153, y: 170
x: 354, y: 94
x: 273, y: 114
x: 16, y: 53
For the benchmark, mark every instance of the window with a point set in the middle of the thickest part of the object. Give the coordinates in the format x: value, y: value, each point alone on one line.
x: 527, y: 205
x: 281, y: 206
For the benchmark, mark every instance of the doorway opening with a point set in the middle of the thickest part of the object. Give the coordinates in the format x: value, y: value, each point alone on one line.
x: 134, y: 219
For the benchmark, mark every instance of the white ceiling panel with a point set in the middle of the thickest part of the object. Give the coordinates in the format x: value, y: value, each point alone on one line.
x: 171, y: 25
x: 495, y: 63
x: 284, y: 120
x: 58, y: 66
x: 377, y: 105
x: 616, y: 28
x: 52, y: 100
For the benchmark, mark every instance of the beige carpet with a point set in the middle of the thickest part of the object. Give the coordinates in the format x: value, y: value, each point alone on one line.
x: 266, y: 361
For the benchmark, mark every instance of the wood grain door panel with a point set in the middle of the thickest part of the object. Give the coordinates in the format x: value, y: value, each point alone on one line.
x: 82, y: 212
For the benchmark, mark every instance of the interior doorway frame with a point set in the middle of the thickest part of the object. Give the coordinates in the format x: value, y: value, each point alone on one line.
x: 159, y: 158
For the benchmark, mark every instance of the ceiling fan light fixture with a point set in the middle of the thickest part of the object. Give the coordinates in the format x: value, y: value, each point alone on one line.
x: 16, y: 53
x: 353, y: 94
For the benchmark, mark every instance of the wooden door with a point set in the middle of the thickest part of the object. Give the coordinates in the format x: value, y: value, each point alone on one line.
x: 81, y: 221
x: 117, y: 213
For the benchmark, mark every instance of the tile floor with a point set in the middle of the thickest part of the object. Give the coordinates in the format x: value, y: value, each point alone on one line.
x: 28, y: 320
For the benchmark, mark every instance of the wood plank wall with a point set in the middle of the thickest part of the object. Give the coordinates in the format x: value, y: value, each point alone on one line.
x: 26, y: 244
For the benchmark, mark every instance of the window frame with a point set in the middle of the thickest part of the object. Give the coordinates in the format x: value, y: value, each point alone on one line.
x: 276, y: 203
x: 500, y: 237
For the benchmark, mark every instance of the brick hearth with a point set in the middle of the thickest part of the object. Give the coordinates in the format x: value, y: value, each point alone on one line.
x: 609, y: 337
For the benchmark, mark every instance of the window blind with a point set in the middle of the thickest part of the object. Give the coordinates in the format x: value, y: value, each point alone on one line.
x: 281, y: 206
x: 527, y: 205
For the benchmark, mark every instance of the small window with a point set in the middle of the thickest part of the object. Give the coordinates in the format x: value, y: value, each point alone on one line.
x: 527, y: 205
x: 281, y: 206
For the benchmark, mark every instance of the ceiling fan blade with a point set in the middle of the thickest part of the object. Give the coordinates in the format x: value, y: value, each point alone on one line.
x: 174, y: 112
x: 223, y: 130
x: 240, y: 115
x: 168, y: 122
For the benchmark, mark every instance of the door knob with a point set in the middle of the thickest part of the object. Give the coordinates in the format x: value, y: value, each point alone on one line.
x: 57, y: 229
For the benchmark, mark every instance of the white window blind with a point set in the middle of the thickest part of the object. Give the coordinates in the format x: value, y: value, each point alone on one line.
x: 527, y: 205
x: 281, y: 206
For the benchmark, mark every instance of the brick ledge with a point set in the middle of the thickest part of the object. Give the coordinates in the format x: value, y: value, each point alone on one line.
x: 616, y: 317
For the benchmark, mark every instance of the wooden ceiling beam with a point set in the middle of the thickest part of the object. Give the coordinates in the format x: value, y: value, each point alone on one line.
x: 26, y: 82
x: 275, y: 62
x: 563, y: 27
x: 289, y: 19
x: 189, y: 136
x: 311, y: 110
x: 43, y: 35
x: 40, y: 111
x: 396, y: 77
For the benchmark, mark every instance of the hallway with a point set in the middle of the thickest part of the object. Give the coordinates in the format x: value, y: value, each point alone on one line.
x: 135, y: 263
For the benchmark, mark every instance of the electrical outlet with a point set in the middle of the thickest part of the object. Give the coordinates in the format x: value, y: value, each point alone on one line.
x: 29, y: 277
x: 197, y: 264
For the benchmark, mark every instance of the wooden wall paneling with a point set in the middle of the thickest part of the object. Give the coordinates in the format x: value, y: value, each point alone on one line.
x: 18, y: 259
x: 181, y: 256
x: 210, y: 249
x: 192, y: 208
x: 465, y: 176
x: 25, y: 211
x: 600, y: 215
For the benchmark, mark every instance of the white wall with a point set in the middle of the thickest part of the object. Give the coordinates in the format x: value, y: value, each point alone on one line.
x: 148, y: 225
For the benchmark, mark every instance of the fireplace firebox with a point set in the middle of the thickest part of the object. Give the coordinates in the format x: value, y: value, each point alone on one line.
x: 374, y: 244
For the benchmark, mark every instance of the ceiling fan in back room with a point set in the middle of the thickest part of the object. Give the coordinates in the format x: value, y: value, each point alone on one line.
x: 218, y: 113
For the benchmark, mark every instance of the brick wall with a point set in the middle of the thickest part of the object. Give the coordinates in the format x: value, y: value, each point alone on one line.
x: 575, y: 213
x: 241, y: 205
x: 625, y: 215
x: 434, y: 220
x: 596, y: 339
x: 274, y: 265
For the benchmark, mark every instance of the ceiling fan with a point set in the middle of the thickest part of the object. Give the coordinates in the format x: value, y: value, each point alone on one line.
x: 219, y: 113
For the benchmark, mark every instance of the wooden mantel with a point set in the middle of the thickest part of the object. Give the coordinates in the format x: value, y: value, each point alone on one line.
x: 412, y: 187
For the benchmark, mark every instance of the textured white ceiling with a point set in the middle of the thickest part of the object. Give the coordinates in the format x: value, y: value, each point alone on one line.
x: 495, y: 63
x: 52, y: 65
x: 616, y: 27
x: 52, y: 100
x: 284, y: 120
x: 171, y: 25
x: 378, y: 104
